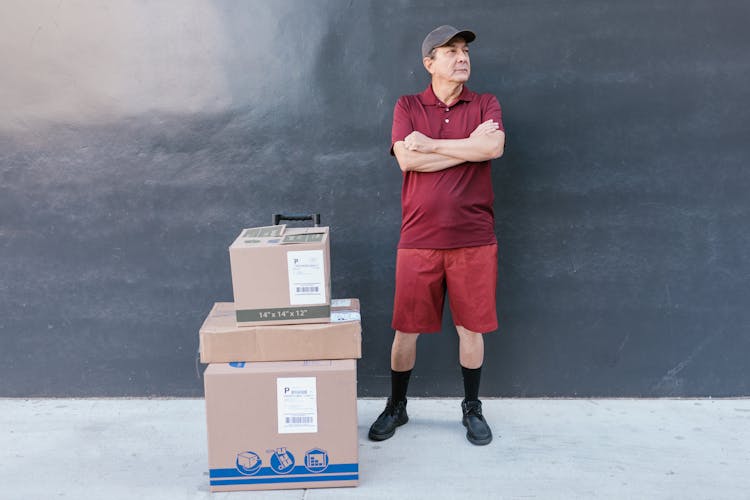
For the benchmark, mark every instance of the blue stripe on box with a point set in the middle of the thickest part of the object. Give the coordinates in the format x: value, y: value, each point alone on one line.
x: 298, y: 470
x: 284, y: 479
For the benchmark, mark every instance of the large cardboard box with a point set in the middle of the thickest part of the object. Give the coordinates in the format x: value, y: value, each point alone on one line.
x: 281, y: 275
x: 222, y: 341
x: 282, y: 425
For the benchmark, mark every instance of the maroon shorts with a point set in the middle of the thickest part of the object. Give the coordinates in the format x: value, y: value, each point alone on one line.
x: 422, y: 277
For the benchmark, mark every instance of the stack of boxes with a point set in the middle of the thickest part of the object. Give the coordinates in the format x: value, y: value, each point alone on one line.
x: 281, y: 386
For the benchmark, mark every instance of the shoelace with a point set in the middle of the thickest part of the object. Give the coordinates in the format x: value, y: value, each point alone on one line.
x: 474, y: 409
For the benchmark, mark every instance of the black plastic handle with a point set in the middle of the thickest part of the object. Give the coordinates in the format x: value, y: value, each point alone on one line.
x: 314, y: 218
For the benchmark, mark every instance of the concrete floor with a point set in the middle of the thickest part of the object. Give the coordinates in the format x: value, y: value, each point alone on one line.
x: 156, y: 449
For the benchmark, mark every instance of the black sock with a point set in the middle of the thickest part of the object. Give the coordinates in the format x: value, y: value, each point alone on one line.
x: 399, y: 384
x: 472, y: 376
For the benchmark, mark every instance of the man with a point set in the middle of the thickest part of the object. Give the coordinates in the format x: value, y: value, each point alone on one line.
x: 443, y: 140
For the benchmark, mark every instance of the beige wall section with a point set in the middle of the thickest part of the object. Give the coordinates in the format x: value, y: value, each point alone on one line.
x: 83, y: 61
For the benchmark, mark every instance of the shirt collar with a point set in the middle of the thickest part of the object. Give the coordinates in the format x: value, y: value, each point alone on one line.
x: 428, y: 97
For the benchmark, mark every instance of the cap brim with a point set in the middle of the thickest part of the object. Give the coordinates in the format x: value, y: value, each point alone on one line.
x: 467, y: 35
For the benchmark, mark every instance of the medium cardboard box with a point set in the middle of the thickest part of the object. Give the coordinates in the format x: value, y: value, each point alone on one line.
x: 282, y: 425
x: 281, y: 275
x: 222, y: 341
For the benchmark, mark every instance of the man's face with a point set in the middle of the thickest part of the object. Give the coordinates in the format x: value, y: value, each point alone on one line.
x: 450, y: 62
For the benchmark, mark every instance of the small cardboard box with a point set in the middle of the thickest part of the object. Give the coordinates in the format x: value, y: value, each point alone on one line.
x: 282, y: 425
x: 222, y: 341
x: 281, y: 275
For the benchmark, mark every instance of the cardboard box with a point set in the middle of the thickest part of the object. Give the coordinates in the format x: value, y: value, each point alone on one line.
x: 281, y: 275
x: 282, y: 425
x: 222, y: 341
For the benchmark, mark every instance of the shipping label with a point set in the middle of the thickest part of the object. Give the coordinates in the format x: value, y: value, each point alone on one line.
x: 306, y: 277
x: 344, y: 316
x: 267, y: 231
x: 297, y: 405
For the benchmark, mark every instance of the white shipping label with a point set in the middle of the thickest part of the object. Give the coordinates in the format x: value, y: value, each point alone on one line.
x: 343, y: 316
x: 297, y: 405
x: 306, y: 277
x: 341, y: 302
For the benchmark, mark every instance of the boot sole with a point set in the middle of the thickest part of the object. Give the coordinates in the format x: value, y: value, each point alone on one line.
x: 383, y: 437
x: 475, y: 441
x: 478, y: 442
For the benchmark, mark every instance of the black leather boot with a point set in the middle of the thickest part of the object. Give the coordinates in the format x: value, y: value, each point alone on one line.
x: 393, y: 416
x: 477, y: 430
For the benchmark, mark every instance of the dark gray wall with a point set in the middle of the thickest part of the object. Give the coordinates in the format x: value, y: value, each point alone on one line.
x: 137, y: 138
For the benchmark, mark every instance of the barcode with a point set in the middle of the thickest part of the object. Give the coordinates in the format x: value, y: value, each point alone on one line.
x: 307, y: 289
x: 299, y: 420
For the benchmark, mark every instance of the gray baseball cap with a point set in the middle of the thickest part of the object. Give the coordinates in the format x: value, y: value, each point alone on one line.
x: 442, y: 35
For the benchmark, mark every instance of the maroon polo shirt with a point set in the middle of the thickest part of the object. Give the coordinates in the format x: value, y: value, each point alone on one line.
x: 451, y: 208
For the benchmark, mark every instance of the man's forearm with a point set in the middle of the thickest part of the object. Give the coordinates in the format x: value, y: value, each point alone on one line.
x: 414, y: 161
x: 476, y: 148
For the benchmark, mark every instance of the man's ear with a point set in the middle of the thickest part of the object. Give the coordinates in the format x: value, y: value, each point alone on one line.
x: 427, y: 61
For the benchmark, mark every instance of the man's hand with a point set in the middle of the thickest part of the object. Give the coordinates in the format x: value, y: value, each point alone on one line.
x: 485, y: 128
x: 417, y: 141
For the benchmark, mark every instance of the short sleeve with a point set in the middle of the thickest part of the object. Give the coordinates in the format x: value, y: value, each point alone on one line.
x: 491, y: 110
x: 402, y: 125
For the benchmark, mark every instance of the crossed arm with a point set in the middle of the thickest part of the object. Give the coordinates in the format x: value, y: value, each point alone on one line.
x: 419, y: 153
